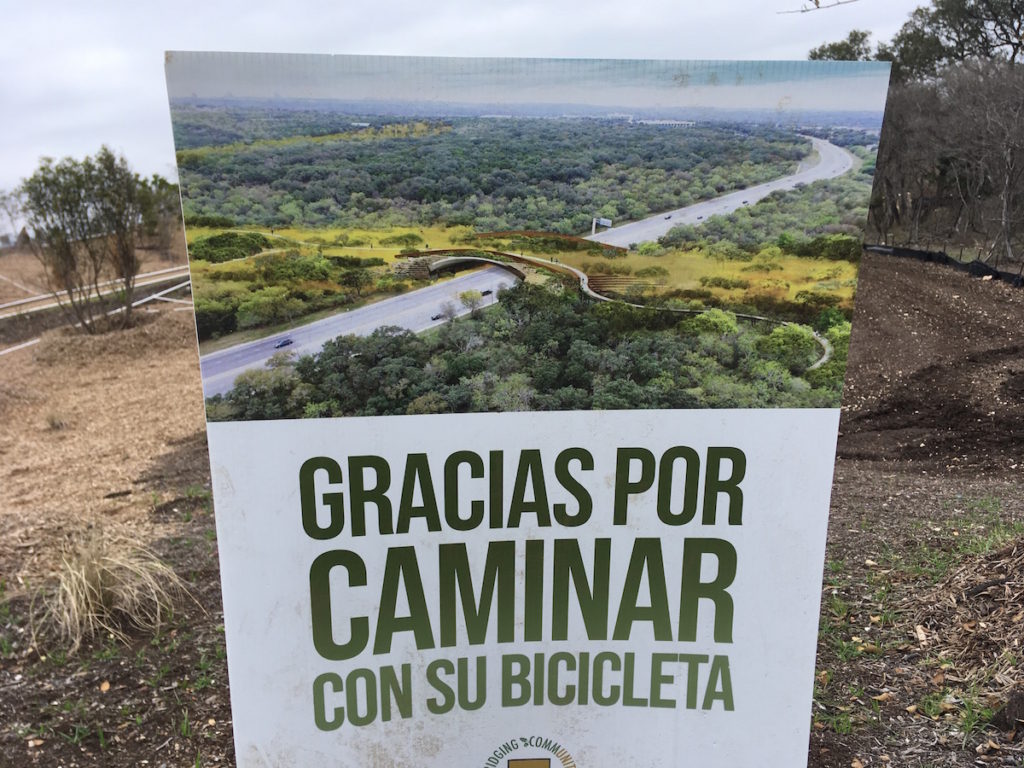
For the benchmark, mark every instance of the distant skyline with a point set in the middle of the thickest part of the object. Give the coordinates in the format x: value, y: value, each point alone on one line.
x: 79, y: 75
x: 782, y: 86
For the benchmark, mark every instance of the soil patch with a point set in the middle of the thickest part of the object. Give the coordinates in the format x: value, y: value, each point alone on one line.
x: 919, y: 630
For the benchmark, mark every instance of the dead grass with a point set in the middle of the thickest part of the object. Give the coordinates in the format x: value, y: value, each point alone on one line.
x: 150, y: 406
x: 107, y: 584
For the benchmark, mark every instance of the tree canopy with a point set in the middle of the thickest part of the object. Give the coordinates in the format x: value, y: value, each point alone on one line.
x: 951, y: 157
x: 85, y: 217
x: 939, y: 35
x: 494, y: 174
x: 544, y: 348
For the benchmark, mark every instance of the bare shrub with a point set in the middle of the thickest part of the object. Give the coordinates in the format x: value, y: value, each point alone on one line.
x: 107, y: 584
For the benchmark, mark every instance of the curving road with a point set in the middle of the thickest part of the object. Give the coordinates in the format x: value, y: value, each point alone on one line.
x: 832, y: 161
x: 413, y: 311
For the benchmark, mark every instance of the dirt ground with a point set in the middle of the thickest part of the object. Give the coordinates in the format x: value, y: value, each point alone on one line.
x: 923, y: 588
x: 108, y: 433
x: 923, y: 593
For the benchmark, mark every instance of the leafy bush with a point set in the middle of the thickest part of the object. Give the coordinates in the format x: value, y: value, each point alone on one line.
x: 793, y: 346
x: 831, y: 247
x: 406, y: 239
x: 816, y: 300
x: 227, y: 246
x: 720, y: 281
x: 762, y: 266
x: 356, y: 262
x: 714, y: 321
x: 208, y: 220
x: 652, y: 272
x: 602, y: 268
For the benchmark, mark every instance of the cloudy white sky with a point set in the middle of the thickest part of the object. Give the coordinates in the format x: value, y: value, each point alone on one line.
x: 78, y: 75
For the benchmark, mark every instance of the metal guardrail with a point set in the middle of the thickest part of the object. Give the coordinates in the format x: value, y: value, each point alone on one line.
x: 112, y: 285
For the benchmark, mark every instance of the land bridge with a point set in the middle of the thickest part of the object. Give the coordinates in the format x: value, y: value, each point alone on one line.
x: 454, y: 262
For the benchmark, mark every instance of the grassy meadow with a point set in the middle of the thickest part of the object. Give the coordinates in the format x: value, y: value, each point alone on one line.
x: 657, y: 270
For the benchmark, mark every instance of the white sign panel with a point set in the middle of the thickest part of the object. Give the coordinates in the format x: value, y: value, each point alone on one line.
x: 628, y: 587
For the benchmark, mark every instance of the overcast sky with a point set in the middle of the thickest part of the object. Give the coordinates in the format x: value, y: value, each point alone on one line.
x: 78, y: 75
x: 537, y: 85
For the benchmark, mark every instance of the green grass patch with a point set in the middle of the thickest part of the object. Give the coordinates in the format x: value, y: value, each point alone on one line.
x: 976, y: 529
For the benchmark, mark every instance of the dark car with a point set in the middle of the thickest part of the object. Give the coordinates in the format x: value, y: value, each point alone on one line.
x: 283, y: 343
x: 436, y: 317
x: 669, y: 216
x: 488, y: 292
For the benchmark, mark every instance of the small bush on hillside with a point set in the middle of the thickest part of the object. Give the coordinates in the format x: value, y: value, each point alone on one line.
x: 721, y: 281
x: 227, y: 246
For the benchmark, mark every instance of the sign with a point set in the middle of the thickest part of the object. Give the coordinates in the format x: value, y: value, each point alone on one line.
x: 490, y: 492
x: 442, y: 587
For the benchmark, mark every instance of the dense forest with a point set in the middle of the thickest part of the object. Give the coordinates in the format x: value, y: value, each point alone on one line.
x: 829, y: 207
x: 951, y: 157
x: 493, y: 174
x: 547, y: 348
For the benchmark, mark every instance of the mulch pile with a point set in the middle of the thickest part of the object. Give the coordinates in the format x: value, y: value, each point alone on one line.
x: 975, y: 620
x: 68, y: 346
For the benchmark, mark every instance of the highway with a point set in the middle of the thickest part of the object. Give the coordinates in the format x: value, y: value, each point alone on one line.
x: 832, y: 161
x: 413, y: 311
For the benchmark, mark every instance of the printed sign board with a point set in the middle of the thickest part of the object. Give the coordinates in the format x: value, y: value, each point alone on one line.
x: 492, y: 490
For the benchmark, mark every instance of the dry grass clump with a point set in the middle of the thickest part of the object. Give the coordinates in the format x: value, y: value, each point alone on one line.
x: 108, y: 584
x: 57, y: 421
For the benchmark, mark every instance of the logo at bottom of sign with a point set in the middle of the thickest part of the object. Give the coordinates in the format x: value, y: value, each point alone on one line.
x: 522, y: 752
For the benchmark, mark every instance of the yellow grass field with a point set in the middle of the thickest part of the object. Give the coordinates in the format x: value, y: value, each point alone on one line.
x: 780, y: 275
x: 770, y: 272
x: 362, y: 242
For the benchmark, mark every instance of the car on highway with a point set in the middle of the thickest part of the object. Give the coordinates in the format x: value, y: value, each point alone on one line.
x: 488, y: 292
x: 283, y: 343
x: 436, y: 317
x: 669, y: 216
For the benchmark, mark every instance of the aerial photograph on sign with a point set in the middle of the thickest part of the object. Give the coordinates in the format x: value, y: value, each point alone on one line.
x: 392, y: 235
